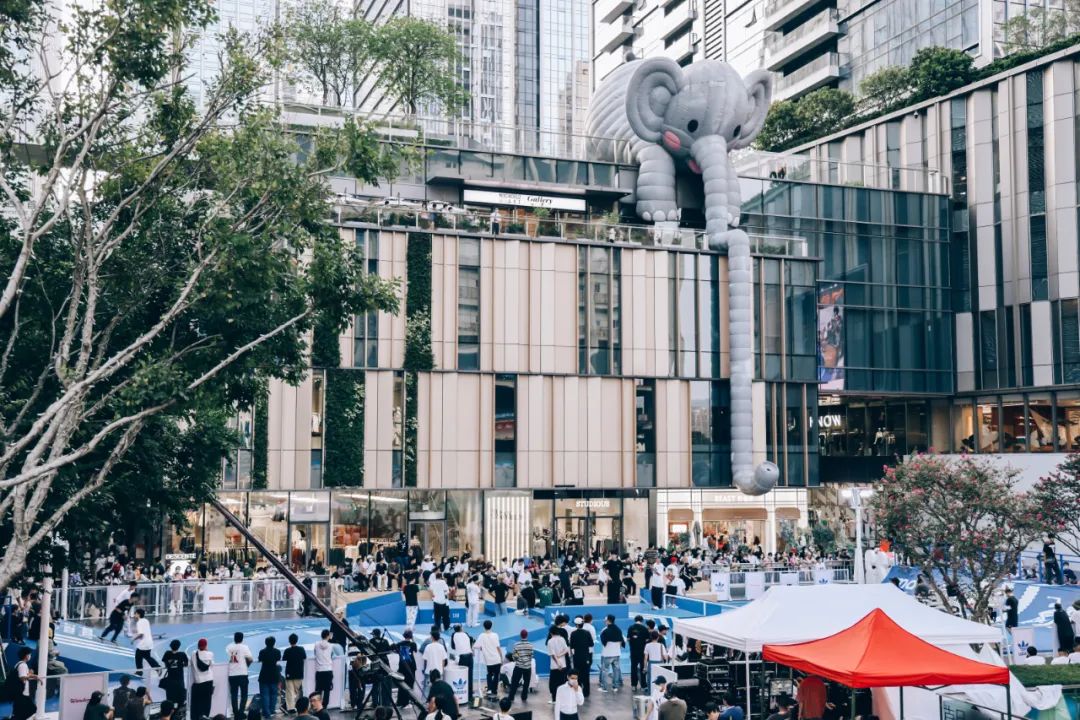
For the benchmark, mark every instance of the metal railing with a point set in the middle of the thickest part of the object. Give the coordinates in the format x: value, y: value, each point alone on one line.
x: 556, y: 228
x: 827, y: 60
x: 803, y: 168
x: 92, y: 602
x: 778, y: 41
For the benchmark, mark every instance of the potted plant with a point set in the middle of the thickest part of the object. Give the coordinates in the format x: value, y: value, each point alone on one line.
x: 442, y: 220
x: 545, y: 226
x: 515, y: 228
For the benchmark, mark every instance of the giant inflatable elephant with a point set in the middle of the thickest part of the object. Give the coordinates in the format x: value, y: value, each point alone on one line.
x: 677, y: 118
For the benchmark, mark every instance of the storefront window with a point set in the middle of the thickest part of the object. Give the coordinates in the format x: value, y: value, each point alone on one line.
x: 989, y: 425
x: 388, y: 516
x: 267, y: 513
x: 223, y: 543
x: 464, y: 524
x: 856, y: 432
x: 1041, y: 424
x: 635, y: 524
x: 918, y: 428
x: 964, y: 427
x: 349, y: 524
x: 1014, y: 427
x: 542, y: 536
x: 507, y: 524
x: 1068, y: 420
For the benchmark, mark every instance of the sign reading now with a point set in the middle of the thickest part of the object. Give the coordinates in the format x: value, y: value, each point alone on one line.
x: 495, y: 197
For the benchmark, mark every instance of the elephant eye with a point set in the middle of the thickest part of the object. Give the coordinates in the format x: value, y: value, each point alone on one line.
x: 692, y: 126
x: 736, y: 131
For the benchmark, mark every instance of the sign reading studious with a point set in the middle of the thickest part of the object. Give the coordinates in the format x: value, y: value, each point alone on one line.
x: 497, y: 197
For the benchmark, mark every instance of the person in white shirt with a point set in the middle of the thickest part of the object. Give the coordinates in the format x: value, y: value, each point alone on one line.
x: 588, y: 626
x: 1032, y: 657
x: 473, y: 591
x: 491, y: 654
x: 655, y: 653
x: 240, y: 658
x: 324, y: 666
x: 659, y: 689
x: 202, y: 680
x: 1074, y: 656
x: 434, y: 655
x: 559, y: 652
x: 461, y: 646
x: 656, y: 586
x: 679, y: 584
x: 144, y: 642
x: 440, y: 597
x: 568, y: 699
x: 1061, y: 659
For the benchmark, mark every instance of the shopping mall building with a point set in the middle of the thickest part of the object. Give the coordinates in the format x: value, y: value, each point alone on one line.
x: 557, y: 377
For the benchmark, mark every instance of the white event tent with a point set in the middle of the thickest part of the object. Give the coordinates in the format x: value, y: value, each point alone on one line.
x: 787, y: 614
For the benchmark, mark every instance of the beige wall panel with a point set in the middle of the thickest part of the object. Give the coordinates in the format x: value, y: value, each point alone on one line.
x: 536, y: 299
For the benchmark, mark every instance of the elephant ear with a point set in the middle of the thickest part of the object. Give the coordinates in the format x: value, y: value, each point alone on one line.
x: 648, y: 94
x: 758, y: 94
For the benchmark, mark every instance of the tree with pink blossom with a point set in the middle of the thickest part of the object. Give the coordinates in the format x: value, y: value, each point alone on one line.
x: 1058, y: 497
x: 961, y: 521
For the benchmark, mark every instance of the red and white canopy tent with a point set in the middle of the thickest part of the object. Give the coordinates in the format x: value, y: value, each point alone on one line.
x: 876, y: 652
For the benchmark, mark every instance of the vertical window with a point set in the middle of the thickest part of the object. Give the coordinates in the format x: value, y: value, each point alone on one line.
x: 318, y: 402
x: 645, y: 424
x: 892, y: 152
x: 1037, y: 185
x: 366, y: 326
x: 397, y: 455
x: 708, y: 305
x: 988, y: 356
x: 1070, y: 343
x: 834, y: 149
x: 469, y: 304
x: 599, y: 331
x: 710, y: 433
x: 505, y: 431
x: 1026, y: 365
x: 963, y: 263
x: 687, y: 322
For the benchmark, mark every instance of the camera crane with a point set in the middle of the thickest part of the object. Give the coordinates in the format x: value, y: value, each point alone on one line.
x: 376, y: 660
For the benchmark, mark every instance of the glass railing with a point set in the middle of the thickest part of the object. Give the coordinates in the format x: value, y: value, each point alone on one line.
x: 817, y: 64
x: 775, y: 7
x: 776, y: 42
x: 553, y: 228
x: 803, y: 168
x: 467, y: 133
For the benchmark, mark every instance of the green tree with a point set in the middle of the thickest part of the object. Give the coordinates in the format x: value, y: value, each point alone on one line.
x: 825, y: 111
x: 334, y: 50
x: 782, y: 128
x: 885, y: 89
x: 161, y: 263
x: 937, y: 71
x: 1037, y: 27
x: 416, y: 62
x: 962, y: 522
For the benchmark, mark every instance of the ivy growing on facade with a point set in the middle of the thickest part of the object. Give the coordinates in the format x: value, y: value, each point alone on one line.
x: 343, y: 428
x: 419, y: 356
x: 259, y: 445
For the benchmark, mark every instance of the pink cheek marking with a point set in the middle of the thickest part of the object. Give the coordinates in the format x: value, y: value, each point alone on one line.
x: 671, y: 140
x: 694, y: 167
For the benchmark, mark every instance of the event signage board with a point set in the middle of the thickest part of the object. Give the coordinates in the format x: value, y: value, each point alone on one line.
x: 721, y: 585
x: 823, y: 576
x: 75, y: 691
x: 789, y: 578
x: 215, y: 598
x: 755, y: 585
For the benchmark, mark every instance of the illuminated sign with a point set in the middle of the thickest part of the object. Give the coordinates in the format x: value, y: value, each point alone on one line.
x: 593, y: 504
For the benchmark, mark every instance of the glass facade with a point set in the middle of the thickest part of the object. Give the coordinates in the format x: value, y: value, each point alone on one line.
x: 468, y: 310
x: 693, y: 321
x: 599, y: 297
x: 890, y: 32
x: 789, y: 439
x: 645, y: 428
x: 236, y: 466
x: 1016, y: 423
x: 884, y: 269
x: 366, y: 326
x: 710, y: 433
x: 317, y: 529
x: 505, y: 430
x: 1036, y: 185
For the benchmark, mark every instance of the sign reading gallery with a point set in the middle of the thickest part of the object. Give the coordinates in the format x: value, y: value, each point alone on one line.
x: 497, y: 197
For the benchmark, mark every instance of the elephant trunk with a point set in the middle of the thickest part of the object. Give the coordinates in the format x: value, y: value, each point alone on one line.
x: 721, y: 219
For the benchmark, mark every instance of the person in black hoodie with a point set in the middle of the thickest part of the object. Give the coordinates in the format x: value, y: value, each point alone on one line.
x: 174, y: 683
x: 581, y: 648
x: 638, y: 637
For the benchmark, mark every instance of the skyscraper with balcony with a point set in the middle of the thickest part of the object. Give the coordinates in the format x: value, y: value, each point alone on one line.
x: 837, y: 43
x: 649, y: 28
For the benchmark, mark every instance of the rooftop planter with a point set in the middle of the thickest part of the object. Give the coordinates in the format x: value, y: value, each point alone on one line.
x: 1033, y: 675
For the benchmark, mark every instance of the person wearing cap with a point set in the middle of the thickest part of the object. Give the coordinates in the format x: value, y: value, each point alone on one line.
x: 202, y: 681
x: 581, y: 645
x: 522, y: 654
x: 656, y: 699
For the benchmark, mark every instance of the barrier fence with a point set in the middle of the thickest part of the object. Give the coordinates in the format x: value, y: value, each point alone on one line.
x: 93, y: 602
